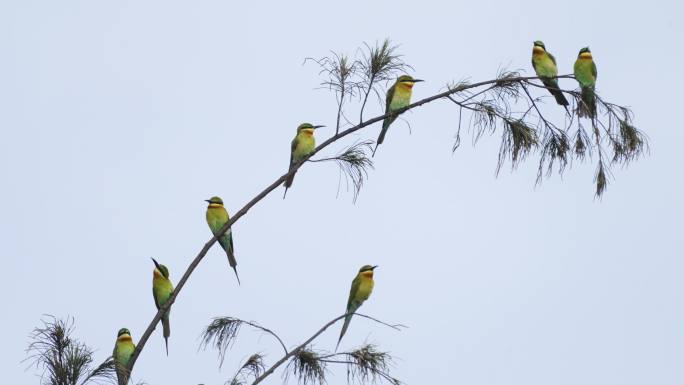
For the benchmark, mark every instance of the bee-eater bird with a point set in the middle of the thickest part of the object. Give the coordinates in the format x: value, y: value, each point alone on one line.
x: 162, y: 288
x: 398, y: 96
x: 123, y: 349
x: 217, y: 216
x: 544, y: 65
x: 361, y: 289
x: 585, y: 74
x: 302, y: 145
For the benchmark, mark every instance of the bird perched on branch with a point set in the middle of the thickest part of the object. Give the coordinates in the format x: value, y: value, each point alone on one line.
x: 123, y: 349
x: 544, y: 65
x: 302, y: 145
x: 217, y: 216
x: 361, y: 289
x: 162, y: 288
x: 398, y: 96
x: 585, y: 74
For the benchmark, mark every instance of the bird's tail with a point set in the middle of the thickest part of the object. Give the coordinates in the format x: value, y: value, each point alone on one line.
x: 236, y: 274
x: 233, y: 263
x: 347, y: 319
x: 385, y: 126
x: 588, y: 106
x: 226, y: 242
x: 167, y: 331
x: 288, y: 183
x: 552, y: 86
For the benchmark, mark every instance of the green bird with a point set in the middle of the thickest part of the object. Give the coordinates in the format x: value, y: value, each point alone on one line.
x: 302, y: 145
x: 544, y: 65
x: 361, y: 289
x: 162, y: 288
x: 398, y: 96
x: 585, y: 74
x: 217, y: 216
x: 123, y: 349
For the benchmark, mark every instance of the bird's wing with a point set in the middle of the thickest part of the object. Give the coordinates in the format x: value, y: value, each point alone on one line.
x: 553, y: 59
x: 162, y: 295
x: 593, y: 69
x: 293, y: 147
x: 390, y: 96
x: 352, y: 294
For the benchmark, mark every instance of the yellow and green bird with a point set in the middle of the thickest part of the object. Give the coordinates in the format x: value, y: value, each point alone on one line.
x: 302, y: 145
x: 544, y: 65
x: 123, y: 349
x: 585, y: 74
x: 217, y: 216
x: 361, y: 289
x: 398, y: 96
x: 162, y: 288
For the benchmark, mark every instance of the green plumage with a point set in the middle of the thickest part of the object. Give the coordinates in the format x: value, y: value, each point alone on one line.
x: 544, y: 65
x: 302, y: 145
x: 123, y: 349
x: 586, y: 74
x: 361, y: 289
x: 162, y: 288
x: 217, y: 216
x: 398, y: 96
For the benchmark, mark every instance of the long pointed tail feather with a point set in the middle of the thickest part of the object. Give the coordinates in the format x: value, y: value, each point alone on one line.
x: 347, y: 319
x: 236, y: 274
x: 552, y: 86
x: 288, y: 183
x: 227, y: 245
x: 167, y: 331
x: 385, y: 126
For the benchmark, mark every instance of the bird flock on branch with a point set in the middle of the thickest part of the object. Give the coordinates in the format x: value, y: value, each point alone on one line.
x: 398, y: 97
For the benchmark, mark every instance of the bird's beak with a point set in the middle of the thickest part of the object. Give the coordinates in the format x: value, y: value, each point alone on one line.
x: 208, y: 200
x: 373, y: 268
x: 418, y: 80
x: 319, y: 126
x: 155, y: 262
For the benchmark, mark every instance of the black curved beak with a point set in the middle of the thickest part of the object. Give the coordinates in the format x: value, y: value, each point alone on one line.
x: 155, y: 262
x: 319, y: 126
x: 373, y: 268
x: 418, y: 80
x: 208, y: 200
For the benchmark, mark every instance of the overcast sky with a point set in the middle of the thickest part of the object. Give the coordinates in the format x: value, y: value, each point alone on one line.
x: 118, y: 118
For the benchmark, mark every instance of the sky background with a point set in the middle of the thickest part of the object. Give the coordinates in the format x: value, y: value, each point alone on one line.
x: 118, y: 118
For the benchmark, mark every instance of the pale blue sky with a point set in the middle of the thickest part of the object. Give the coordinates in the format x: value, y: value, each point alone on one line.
x: 118, y: 118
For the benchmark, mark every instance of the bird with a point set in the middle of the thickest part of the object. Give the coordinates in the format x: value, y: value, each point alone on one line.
x: 217, y: 216
x: 162, y: 288
x: 302, y: 145
x: 544, y: 65
x: 123, y: 349
x: 361, y: 289
x: 585, y: 74
x: 398, y: 96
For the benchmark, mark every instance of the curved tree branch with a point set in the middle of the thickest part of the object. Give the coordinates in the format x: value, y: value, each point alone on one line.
x: 501, y: 81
